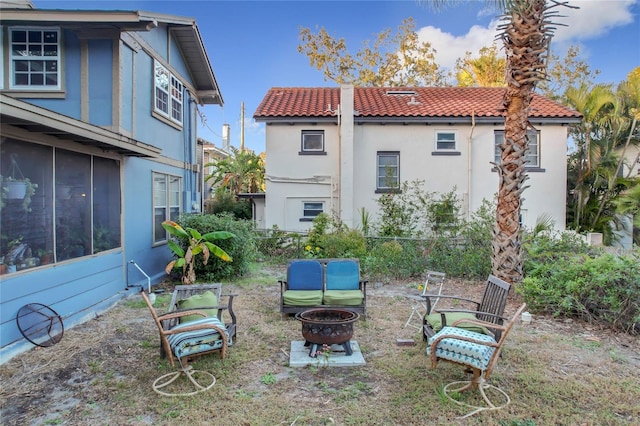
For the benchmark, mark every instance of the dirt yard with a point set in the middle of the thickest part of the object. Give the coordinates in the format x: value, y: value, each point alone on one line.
x: 557, y: 372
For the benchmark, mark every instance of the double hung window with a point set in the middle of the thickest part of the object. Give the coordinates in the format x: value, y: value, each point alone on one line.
x: 166, y: 203
x: 168, y: 94
x: 388, y: 171
x: 35, y: 58
x: 532, y: 155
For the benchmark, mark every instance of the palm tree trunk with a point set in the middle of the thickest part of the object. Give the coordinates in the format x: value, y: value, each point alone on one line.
x: 526, y: 41
x: 507, y: 238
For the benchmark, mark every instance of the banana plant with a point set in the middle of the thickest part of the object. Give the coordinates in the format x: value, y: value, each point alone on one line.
x: 198, y: 244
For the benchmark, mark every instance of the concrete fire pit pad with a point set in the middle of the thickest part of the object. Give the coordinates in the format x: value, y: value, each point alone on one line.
x: 299, y: 356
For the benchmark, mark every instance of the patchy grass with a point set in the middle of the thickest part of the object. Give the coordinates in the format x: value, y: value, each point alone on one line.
x: 556, y: 372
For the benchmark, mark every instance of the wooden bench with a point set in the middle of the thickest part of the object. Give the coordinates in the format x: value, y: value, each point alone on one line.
x: 318, y: 283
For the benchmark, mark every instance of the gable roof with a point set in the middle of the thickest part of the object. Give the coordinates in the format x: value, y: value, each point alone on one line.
x: 405, y: 104
x: 184, y: 30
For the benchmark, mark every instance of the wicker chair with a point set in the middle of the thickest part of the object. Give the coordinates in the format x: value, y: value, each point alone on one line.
x: 489, y: 309
x: 478, y: 353
x: 186, y: 341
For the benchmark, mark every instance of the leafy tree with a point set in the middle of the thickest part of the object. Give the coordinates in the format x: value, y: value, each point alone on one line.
x: 595, y: 104
x: 486, y: 70
x: 391, y: 60
x: 242, y: 171
x: 197, y: 244
x: 565, y: 72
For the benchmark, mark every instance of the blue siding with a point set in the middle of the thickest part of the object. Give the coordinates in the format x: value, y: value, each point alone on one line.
x: 81, y: 288
x: 138, y: 235
x: 70, y: 105
x: 126, y: 81
x: 100, y: 82
x: 148, y: 128
x: 177, y: 61
x: 157, y: 39
x: 71, y: 289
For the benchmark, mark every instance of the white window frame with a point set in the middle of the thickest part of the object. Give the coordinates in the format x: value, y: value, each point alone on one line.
x: 170, y: 104
x: 167, y: 198
x: 2, y: 56
x: 32, y: 60
x: 307, y: 208
x: 439, y: 140
x: 381, y: 170
x: 305, y: 133
x: 531, y: 160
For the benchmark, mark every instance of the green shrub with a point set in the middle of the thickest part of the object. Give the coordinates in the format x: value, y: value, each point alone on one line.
x: 604, y: 288
x: 391, y: 259
x: 241, y: 248
x: 278, y: 245
x: 225, y: 202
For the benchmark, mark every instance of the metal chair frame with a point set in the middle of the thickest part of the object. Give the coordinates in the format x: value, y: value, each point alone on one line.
x: 419, y: 304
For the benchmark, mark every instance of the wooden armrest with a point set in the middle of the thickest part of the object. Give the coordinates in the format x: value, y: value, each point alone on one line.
x: 445, y: 296
x: 478, y: 322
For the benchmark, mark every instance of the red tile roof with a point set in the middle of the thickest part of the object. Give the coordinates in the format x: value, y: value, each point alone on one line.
x: 416, y: 102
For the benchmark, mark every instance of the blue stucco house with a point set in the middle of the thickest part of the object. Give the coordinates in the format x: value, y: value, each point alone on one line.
x: 98, y: 147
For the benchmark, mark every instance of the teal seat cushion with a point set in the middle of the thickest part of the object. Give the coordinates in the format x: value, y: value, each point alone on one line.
x: 302, y: 297
x: 343, y: 297
x: 190, y: 343
x: 197, y: 301
x: 461, y: 351
x: 436, y: 321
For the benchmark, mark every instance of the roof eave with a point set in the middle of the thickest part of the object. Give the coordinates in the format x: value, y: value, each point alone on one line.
x: 186, y: 31
x: 294, y: 119
x: 32, y: 118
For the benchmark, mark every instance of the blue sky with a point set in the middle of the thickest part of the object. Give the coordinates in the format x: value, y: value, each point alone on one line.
x: 252, y: 45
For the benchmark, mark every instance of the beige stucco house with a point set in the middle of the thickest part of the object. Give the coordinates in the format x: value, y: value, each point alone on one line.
x: 337, y: 149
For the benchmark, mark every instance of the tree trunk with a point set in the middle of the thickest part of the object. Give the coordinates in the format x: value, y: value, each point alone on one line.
x: 526, y: 41
x: 507, y: 237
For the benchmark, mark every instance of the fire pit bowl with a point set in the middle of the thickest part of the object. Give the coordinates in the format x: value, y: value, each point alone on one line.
x: 328, y: 326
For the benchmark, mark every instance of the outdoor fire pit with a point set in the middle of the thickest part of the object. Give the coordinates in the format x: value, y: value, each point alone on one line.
x: 328, y: 326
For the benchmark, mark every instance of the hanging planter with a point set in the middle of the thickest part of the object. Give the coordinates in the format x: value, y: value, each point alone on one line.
x: 16, y: 186
x: 16, y: 189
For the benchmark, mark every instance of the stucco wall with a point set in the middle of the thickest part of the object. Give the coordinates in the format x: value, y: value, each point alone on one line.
x: 474, y: 178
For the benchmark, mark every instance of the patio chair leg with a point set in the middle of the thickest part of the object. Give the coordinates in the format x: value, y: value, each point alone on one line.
x: 165, y: 380
x: 469, y: 384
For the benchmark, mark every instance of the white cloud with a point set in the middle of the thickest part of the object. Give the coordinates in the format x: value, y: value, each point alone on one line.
x: 593, y: 19
x: 449, y: 47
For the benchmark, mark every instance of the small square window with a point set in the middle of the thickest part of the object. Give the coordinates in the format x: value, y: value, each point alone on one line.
x: 312, y: 209
x: 445, y: 141
x: 312, y: 141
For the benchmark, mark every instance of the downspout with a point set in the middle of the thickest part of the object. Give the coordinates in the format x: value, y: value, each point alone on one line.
x: 190, y: 179
x: 473, y: 126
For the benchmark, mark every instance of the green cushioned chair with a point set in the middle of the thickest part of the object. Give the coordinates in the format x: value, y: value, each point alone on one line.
x: 343, y: 297
x: 450, y: 317
x: 343, y: 287
x: 200, y: 302
x: 302, y: 297
x: 489, y: 309
x: 476, y: 352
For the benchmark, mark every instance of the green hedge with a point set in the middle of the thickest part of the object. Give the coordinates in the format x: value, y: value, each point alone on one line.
x: 603, y: 289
